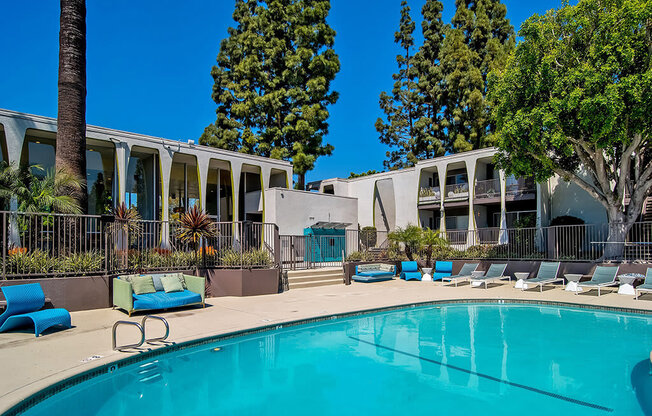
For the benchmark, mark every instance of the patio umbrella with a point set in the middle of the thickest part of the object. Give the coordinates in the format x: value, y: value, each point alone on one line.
x: 503, y: 237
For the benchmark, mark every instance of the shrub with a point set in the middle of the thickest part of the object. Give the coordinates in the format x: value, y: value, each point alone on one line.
x: 368, y: 237
x: 358, y: 256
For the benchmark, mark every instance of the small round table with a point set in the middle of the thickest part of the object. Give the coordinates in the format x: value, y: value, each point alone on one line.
x: 427, y: 276
x: 520, y: 280
x: 475, y: 274
x: 573, y: 280
x: 627, y: 283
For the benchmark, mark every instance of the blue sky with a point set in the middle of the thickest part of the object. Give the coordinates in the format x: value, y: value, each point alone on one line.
x: 148, y: 66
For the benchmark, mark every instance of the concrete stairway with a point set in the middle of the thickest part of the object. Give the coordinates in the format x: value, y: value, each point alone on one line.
x: 298, y: 279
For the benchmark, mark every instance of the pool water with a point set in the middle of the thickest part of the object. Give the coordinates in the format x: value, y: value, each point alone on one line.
x: 451, y: 360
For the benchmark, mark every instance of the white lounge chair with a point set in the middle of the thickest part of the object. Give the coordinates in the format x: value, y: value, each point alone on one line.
x: 465, y: 273
x: 547, y: 274
x: 495, y: 272
x: 647, y: 284
x: 602, y: 277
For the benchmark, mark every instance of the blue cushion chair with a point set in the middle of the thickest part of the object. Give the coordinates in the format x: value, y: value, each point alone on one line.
x: 410, y: 270
x: 442, y: 269
x: 23, y: 309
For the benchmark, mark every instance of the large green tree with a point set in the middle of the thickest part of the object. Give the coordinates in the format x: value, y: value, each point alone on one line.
x: 411, y: 127
x: 576, y: 100
x: 273, y: 82
x: 71, y: 110
x: 479, y: 40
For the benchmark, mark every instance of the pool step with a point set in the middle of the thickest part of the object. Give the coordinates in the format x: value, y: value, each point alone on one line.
x: 298, y: 279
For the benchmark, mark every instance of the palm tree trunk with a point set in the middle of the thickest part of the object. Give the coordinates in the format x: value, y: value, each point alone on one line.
x: 71, y: 111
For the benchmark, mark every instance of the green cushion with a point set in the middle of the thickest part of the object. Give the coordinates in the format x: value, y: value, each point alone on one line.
x: 171, y: 283
x: 142, y: 285
x: 178, y: 276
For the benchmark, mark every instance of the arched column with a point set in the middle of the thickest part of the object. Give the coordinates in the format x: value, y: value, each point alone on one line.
x: 441, y: 173
x: 470, y: 174
x: 165, y: 161
x: 122, y: 153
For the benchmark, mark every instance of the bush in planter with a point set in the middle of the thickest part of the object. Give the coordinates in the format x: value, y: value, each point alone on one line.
x: 23, y: 262
x: 257, y: 258
x: 91, y: 261
x: 358, y: 256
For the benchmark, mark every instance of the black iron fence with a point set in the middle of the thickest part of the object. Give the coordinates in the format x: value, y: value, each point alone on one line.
x: 58, y: 245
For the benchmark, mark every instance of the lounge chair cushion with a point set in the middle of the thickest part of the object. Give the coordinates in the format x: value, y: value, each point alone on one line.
x: 171, y: 284
x: 411, y: 275
x: 41, y: 320
x: 162, y: 300
x: 409, y: 266
x: 371, y: 279
x: 375, y: 273
x: 142, y: 285
x: 444, y: 267
x: 158, y: 285
x: 439, y: 275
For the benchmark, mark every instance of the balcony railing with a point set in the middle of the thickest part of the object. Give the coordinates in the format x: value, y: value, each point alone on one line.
x: 519, y: 186
x: 429, y: 194
x: 487, y: 189
x: 458, y: 190
x: 490, y: 188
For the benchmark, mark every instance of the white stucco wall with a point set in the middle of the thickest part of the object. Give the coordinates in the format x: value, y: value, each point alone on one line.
x: 566, y: 198
x: 294, y: 210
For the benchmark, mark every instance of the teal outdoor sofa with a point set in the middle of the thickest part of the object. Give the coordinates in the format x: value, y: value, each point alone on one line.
x: 377, y: 272
x: 193, y: 293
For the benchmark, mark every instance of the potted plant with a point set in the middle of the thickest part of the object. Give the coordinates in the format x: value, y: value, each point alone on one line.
x: 196, y: 226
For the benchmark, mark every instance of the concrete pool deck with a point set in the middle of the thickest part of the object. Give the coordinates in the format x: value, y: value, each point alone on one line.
x: 30, y: 364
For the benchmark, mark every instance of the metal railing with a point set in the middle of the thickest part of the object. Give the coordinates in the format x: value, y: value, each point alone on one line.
x: 459, y: 190
x: 519, y: 186
x: 57, y: 245
x: 429, y: 194
x: 587, y: 242
x: 487, y: 189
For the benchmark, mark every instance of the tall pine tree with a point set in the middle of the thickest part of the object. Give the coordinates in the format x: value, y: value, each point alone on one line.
x: 272, y: 82
x: 480, y: 40
x: 412, y: 126
x: 401, y: 108
x: 430, y: 131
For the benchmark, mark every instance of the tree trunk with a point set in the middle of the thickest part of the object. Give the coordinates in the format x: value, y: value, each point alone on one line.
x: 618, y: 229
x: 301, y: 181
x: 71, y: 111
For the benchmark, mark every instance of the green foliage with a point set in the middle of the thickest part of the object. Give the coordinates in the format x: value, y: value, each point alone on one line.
x: 359, y: 256
x: 479, y: 41
x: 249, y: 258
x: 368, y: 237
x: 42, y: 262
x: 429, y: 240
x: 575, y: 100
x: 363, y: 174
x: 273, y: 82
x: 411, y: 110
x: 410, y: 237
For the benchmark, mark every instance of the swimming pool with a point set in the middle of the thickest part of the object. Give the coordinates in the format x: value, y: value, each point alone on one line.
x: 450, y: 359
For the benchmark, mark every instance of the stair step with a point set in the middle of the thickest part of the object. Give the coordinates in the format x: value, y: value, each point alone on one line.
x: 314, y: 278
x: 315, y: 272
x: 316, y: 283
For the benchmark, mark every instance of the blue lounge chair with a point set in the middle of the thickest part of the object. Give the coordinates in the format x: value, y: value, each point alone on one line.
x: 442, y: 269
x: 23, y: 304
x: 647, y: 284
x: 410, y: 270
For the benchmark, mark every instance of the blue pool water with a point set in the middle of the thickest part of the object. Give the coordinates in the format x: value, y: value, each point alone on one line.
x: 440, y: 360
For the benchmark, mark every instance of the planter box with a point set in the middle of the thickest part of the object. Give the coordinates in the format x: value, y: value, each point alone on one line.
x: 240, y: 282
x: 72, y: 293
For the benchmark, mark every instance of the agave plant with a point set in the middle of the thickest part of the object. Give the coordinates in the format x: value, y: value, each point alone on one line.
x: 127, y: 220
x: 195, y: 226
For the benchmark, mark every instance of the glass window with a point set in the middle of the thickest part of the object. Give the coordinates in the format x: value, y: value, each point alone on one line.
x: 141, y: 184
x: 184, y: 188
x: 39, y: 153
x: 100, y: 162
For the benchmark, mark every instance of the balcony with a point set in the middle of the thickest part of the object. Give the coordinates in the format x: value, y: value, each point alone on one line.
x: 457, y: 191
x: 429, y: 195
x: 515, y: 189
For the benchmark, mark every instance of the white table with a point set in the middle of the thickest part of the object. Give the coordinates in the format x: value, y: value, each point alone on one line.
x: 521, y: 277
x: 573, y: 280
x: 427, y: 276
x: 477, y: 273
x: 627, y: 283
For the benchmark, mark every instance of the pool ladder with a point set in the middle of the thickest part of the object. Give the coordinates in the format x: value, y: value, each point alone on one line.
x: 141, y: 327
